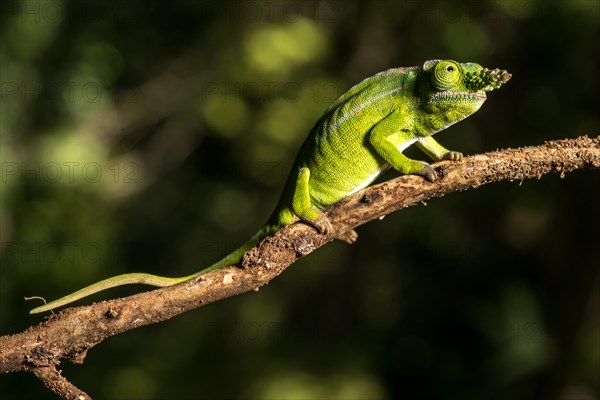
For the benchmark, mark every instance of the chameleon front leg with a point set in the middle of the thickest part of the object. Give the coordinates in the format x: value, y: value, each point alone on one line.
x: 388, y: 141
x: 436, y: 151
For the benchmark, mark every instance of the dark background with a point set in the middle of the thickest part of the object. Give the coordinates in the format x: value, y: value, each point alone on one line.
x: 156, y: 136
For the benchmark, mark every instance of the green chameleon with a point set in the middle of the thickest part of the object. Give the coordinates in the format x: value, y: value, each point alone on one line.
x: 362, y: 134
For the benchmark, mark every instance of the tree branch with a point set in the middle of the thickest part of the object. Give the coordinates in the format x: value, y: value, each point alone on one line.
x: 69, y: 334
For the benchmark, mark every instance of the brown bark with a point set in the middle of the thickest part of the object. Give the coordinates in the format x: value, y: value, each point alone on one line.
x: 69, y: 334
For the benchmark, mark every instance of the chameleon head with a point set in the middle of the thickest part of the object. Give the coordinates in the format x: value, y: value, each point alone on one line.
x: 459, y: 87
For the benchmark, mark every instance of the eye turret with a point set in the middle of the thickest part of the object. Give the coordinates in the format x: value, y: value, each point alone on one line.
x: 445, y: 75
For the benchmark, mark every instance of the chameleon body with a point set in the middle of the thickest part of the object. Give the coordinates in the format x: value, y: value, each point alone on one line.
x: 359, y: 136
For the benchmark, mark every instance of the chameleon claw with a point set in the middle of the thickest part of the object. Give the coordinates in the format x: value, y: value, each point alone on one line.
x: 452, y: 156
x: 427, y: 172
x: 322, y: 224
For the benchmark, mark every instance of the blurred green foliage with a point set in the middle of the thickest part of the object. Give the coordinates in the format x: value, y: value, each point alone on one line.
x: 155, y: 136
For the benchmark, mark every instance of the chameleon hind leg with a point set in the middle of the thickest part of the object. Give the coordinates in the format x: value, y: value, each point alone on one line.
x: 302, y: 206
x: 307, y: 212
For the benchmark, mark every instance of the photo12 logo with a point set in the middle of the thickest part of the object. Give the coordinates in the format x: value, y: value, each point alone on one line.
x: 63, y: 92
x: 56, y: 11
x: 39, y: 11
x: 71, y: 253
x: 248, y: 332
x: 268, y: 92
x: 69, y: 172
x: 277, y: 11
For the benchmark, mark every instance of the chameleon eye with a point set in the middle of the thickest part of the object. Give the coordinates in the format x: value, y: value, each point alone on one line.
x: 446, y: 74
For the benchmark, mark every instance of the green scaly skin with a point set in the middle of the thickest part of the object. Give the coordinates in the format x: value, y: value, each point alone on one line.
x: 362, y: 134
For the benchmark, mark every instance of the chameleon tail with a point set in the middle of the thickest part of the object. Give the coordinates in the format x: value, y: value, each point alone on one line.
x: 119, y: 280
x: 155, y: 280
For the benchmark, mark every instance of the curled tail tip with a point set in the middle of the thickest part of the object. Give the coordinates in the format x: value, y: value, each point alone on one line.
x: 41, y: 308
x: 48, y: 306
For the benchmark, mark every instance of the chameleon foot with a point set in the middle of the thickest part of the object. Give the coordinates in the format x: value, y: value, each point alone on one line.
x: 348, y: 236
x: 427, y: 172
x: 452, y: 156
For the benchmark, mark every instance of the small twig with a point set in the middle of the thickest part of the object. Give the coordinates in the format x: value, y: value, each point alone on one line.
x: 53, y: 380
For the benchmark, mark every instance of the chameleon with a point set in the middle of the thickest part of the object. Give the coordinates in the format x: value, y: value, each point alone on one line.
x: 358, y: 137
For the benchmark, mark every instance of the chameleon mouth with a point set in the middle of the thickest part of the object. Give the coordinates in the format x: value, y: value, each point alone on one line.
x: 460, y: 95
